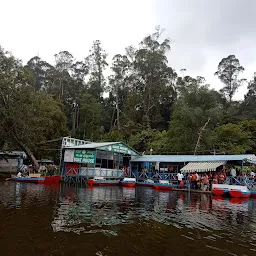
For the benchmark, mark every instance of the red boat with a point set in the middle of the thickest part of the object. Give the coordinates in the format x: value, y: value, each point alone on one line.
x: 146, y: 183
x: 239, y: 193
x: 219, y: 192
x: 46, y: 180
x: 100, y: 181
x: 128, y: 182
x: 163, y: 185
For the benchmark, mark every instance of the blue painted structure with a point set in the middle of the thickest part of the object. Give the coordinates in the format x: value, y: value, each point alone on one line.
x: 156, y: 167
x: 169, y: 165
x: 191, y: 158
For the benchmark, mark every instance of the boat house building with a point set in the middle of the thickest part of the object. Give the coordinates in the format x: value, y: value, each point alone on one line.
x: 104, y: 159
x: 168, y: 165
x: 83, y: 159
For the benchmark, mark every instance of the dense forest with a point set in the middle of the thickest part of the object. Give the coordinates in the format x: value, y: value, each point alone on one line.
x: 148, y: 105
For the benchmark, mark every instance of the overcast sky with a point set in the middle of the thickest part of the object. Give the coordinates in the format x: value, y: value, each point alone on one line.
x: 203, y: 31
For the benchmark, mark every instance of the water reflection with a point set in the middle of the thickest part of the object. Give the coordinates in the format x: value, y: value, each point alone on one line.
x: 216, y: 225
x: 80, y: 209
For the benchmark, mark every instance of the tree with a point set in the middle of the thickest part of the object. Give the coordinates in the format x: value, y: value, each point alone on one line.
x: 97, y: 63
x: 63, y: 64
x: 91, y: 115
x: 233, y: 139
x: 195, y: 105
x: 118, y: 82
x: 153, y: 79
x: 26, y: 117
x: 248, y: 106
x: 228, y: 71
x: 43, y: 74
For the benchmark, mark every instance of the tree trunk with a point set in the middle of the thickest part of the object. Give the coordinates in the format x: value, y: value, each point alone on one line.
x: 112, y: 119
x: 27, y: 151
x: 200, y: 134
x: 117, y: 110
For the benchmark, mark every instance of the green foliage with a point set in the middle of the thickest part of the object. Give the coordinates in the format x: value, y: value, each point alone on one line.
x: 91, y: 115
x: 96, y: 62
x: 142, y: 141
x: 234, y: 138
x: 27, y: 117
x: 114, y: 135
x: 196, y: 103
x: 148, y: 106
x: 228, y: 70
x: 247, y: 109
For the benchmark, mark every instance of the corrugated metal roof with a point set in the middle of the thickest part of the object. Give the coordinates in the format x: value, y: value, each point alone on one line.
x: 93, y: 145
x: 251, y: 160
x: 101, y: 146
x: 202, y: 166
x: 190, y: 158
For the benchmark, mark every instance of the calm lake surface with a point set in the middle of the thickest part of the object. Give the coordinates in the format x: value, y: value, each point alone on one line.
x: 68, y: 220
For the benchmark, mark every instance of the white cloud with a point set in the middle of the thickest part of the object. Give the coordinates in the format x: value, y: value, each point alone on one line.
x: 204, y: 31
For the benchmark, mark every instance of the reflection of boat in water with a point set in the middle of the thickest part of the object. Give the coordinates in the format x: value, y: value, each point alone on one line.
x: 100, y: 181
x: 236, y: 200
x: 145, y: 183
x: 253, y: 192
x: 128, y: 182
x: 235, y: 204
x: 45, y: 180
x: 163, y: 185
x: 240, y: 192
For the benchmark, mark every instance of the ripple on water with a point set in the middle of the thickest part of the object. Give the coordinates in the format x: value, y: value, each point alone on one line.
x: 219, y: 224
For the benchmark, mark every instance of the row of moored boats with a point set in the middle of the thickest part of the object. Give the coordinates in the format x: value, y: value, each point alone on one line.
x: 131, y: 182
x: 234, y: 190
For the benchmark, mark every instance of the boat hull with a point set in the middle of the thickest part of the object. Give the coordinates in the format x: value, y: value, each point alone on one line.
x: 145, y: 184
x: 253, y: 193
x: 239, y: 193
x: 29, y: 180
x: 93, y: 182
x: 45, y: 180
x: 52, y: 179
x: 160, y: 186
x: 128, y: 184
x: 219, y: 192
x: 232, y: 190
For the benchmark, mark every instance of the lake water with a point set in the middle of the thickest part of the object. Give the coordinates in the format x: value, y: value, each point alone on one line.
x: 68, y: 220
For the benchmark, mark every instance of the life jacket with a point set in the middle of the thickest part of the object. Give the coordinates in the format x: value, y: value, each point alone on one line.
x: 204, y: 179
x: 221, y: 177
x: 215, y: 180
x: 193, y: 178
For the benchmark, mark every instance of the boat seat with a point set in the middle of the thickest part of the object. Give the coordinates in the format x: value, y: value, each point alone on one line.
x: 35, y: 175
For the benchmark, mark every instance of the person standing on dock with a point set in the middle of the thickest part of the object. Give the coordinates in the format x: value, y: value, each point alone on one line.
x: 180, y: 177
x: 252, y: 175
x: 233, y: 172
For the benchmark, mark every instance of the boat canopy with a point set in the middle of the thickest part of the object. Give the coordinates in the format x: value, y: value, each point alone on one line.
x: 202, y: 166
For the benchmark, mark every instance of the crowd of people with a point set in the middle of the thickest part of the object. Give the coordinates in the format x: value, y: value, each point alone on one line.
x: 49, y: 169
x: 204, y: 180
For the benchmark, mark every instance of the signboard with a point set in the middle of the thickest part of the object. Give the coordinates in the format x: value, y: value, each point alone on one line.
x: 80, y: 156
x: 119, y: 148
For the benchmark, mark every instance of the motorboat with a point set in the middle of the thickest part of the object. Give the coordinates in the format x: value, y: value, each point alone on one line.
x: 145, y: 183
x: 234, y: 187
x: 163, y: 185
x: 38, y: 179
x: 128, y: 182
x: 101, y: 181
